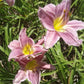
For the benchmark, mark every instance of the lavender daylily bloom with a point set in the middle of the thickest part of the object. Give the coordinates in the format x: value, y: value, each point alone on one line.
x: 30, y: 69
x: 24, y: 47
x: 10, y: 2
x: 56, y: 20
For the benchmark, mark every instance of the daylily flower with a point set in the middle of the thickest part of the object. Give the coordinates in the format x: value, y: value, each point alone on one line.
x: 30, y: 69
x: 10, y: 2
x: 56, y: 20
x: 24, y: 47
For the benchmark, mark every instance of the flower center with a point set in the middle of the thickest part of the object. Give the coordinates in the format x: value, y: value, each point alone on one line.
x: 61, y: 21
x: 58, y: 24
x: 31, y: 65
x: 28, y: 49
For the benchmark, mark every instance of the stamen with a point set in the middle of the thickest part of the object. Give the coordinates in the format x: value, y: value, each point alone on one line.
x: 61, y: 21
x: 28, y: 49
x: 64, y: 11
x: 58, y: 24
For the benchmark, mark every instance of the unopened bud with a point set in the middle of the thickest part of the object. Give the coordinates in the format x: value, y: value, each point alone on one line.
x: 10, y: 2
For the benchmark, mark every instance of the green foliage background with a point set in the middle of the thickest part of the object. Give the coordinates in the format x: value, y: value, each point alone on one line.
x: 68, y: 60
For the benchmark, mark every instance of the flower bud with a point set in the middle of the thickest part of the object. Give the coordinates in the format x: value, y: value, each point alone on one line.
x: 10, y: 2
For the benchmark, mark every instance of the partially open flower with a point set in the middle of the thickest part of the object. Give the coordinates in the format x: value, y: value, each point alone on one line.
x: 24, y: 47
x: 10, y: 2
x: 56, y: 20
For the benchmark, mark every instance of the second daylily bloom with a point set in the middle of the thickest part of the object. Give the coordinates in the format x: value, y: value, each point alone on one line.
x: 56, y: 20
x: 30, y: 69
x: 24, y: 47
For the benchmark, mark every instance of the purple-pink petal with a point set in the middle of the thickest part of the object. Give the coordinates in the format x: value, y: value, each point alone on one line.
x: 75, y: 24
x: 14, y: 44
x: 46, y: 19
x: 24, y: 39
x: 20, y: 76
x: 50, y: 10
x: 70, y: 37
x: 59, y: 10
x: 44, y: 65
x: 22, y: 61
x: 15, y: 54
x: 66, y: 4
x: 34, y: 77
x: 39, y: 57
x: 38, y: 49
x: 50, y: 39
x: 40, y: 42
